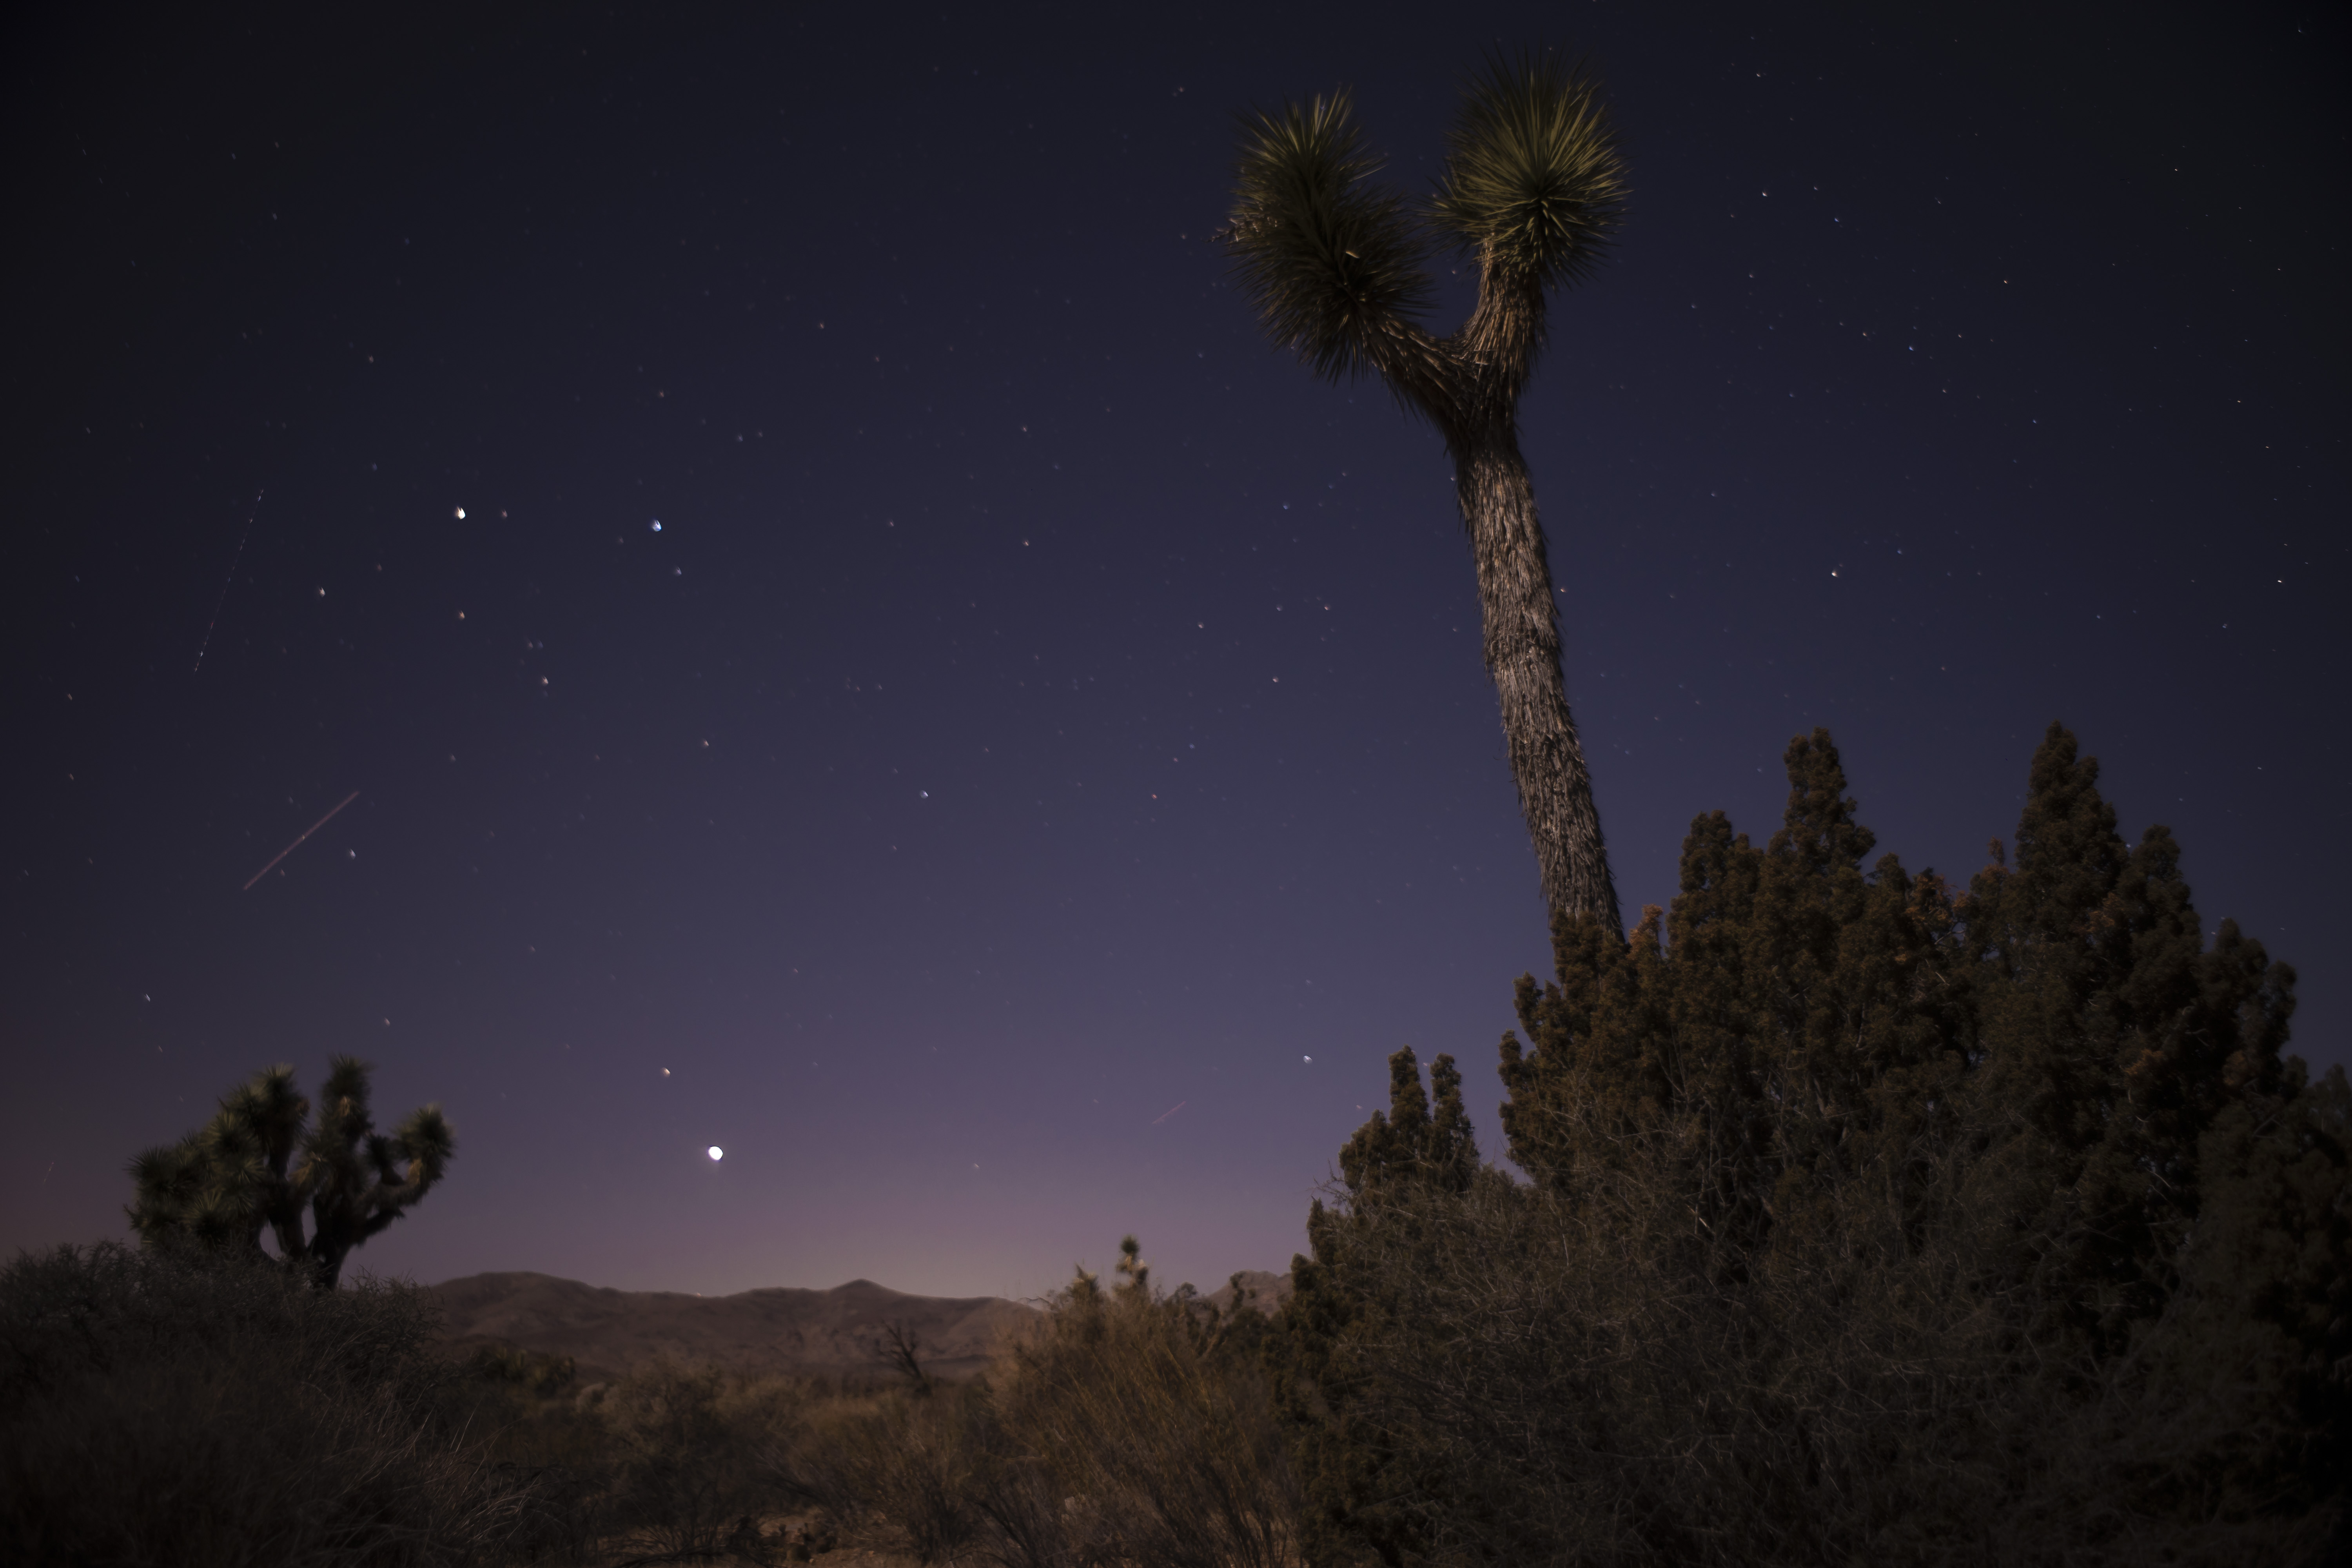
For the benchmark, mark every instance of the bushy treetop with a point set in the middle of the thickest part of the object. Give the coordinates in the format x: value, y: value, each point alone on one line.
x: 261, y: 1160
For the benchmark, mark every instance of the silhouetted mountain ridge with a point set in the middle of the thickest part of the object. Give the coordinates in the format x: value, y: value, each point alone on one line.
x: 777, y: 1329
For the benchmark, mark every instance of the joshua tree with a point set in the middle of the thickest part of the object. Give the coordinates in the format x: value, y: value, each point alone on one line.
x: 1532, y: 185
x: 223, y: 1183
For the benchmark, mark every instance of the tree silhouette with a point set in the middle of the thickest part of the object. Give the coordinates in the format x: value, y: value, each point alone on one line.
x: 900, y: 1348
x: 1865, y: 1219
x: 255, y: 1165
x: 1358, y: 1471
x: 1532, y: 185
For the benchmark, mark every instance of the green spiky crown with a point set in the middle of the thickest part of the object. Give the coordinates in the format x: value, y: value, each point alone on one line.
x: 1534, y: 180
x: 1534, y: 184
x: 254, y: 1167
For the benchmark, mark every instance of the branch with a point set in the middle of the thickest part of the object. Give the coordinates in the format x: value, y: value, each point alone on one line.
x: 1332, y: 262
x: 900, y: 1349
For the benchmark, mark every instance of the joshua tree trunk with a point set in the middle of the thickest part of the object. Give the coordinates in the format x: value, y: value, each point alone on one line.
x: 1532, y: 185
x: 1468, y: 386
x: 1522, y: 648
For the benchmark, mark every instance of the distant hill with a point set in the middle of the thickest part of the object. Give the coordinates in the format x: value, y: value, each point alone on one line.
x: 608, y: 1332
x: 832, y: 1333
x: 1264, y: 1291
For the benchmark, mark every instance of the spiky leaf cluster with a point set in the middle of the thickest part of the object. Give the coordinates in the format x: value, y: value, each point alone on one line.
x: 1534, y: 180
x: 256, y: 1164
x: 353, y: 1173
x: 1332, y: 261
x: 222, y: 1183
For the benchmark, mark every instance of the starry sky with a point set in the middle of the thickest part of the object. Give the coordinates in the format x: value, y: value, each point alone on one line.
x: 851, y: 648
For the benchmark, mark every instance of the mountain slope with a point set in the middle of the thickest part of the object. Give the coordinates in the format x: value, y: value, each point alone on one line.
x: 607, y: 1332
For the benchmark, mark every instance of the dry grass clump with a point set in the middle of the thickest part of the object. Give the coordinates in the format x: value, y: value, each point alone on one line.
x: 159, y: 1408
x: 680, y: 1446
x: 906, y: 1461
x: 1153, y: 1413
x: 1132, y: 1427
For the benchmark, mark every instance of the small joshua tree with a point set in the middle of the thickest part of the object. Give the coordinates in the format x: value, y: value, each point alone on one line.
x: 1533, y: 184
x: 260, y: 1160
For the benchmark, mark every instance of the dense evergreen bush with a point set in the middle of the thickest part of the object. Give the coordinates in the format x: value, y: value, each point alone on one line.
x: 1865, y: 1219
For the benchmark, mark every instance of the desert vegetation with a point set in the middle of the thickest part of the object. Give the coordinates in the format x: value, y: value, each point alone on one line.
x: 192, y: 1407
x: 169, y: 1405
x: 1854, y: 1217
x: 262, y: 1159
x: 1862, y: 1219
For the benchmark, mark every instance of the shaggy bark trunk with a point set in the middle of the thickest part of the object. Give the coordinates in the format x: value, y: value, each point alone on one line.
x: 1522, y: 649
x: 1469, y: 386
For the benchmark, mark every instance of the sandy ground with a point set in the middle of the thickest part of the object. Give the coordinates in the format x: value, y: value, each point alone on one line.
x: 865, y: 1545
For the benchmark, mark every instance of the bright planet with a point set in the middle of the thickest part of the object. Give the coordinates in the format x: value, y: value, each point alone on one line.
x: 716, y: 1152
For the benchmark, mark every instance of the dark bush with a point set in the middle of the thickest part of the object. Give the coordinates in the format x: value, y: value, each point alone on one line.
x: 1149, y: 1411
x: 1131, y: 1426
x: 681, y: 1446
x: 1865, y: 1220
x: 536, y: 1373
x: 902, y: 1459
x: 164, y: 1406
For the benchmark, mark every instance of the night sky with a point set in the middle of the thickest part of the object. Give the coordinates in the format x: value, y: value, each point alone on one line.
x: 851, y: 647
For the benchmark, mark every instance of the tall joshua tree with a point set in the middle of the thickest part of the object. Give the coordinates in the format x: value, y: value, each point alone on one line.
x: 1533, y: 184
x: 255, y: 1165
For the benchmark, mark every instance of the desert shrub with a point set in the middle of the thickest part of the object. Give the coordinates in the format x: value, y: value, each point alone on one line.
x: 161, y: 1407
x: 900, y: 1457
x: 1147, y: 1416
x: 1862, y: 1221
x: 520, y: 1414
x: 1131, y: 1426
x: 531, y: 1371
x: 682, y: 1446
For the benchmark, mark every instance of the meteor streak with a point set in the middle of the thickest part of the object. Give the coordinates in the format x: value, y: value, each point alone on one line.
x: 1169, y: 1111
x: 297, y: 843
x: 226, y: 583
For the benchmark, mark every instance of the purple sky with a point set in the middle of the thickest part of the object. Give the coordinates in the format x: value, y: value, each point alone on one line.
x: 1041, y: 704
